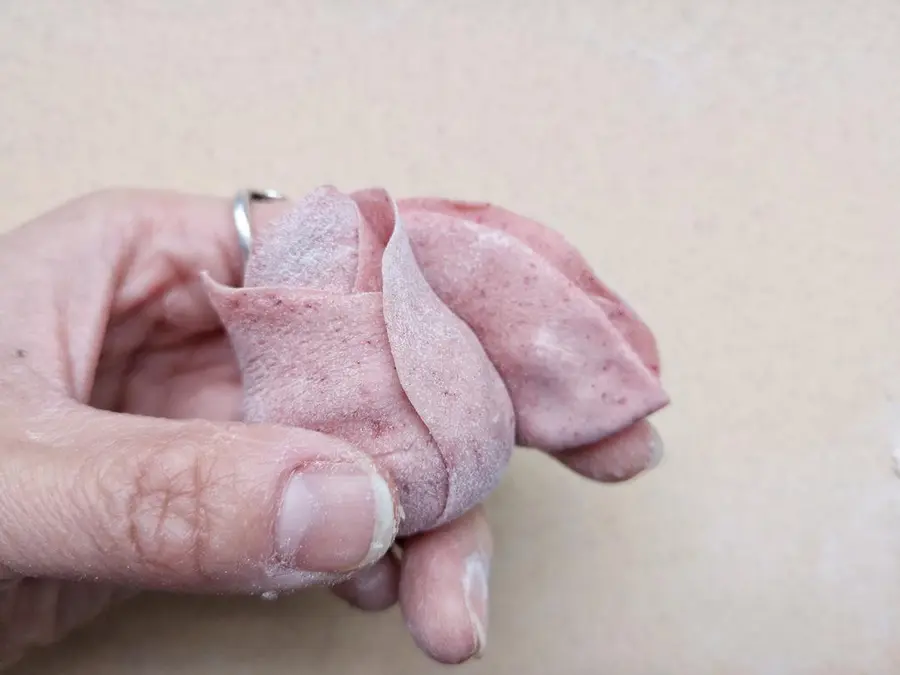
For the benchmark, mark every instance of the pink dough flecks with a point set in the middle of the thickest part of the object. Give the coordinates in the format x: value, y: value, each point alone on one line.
x: 434, y: 335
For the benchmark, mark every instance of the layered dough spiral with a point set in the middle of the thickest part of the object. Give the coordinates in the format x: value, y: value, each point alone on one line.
x: 435, y: 335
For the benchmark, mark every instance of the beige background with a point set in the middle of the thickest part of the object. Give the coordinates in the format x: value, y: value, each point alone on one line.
x: 731, y: 167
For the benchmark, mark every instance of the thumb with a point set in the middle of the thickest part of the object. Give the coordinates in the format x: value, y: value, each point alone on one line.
x: 188, y: 505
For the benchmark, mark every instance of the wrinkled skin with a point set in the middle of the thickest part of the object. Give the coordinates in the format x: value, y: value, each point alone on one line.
x: 124, y: 466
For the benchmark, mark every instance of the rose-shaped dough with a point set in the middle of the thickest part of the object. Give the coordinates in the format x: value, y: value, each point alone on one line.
x: 434, y: 336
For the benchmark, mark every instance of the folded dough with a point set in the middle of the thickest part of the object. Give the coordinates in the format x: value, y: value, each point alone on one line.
x: 435, y: 335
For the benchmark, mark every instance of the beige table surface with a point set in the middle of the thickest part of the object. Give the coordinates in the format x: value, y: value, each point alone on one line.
x: 732, y: 167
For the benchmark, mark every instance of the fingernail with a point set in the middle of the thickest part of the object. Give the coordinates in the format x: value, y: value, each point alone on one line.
x: 475, y: 587
x: 335, y: 518
x: 657, y: 448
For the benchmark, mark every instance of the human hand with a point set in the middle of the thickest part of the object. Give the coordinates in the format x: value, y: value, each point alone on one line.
x: 118, y: 404
x: 121, y: 467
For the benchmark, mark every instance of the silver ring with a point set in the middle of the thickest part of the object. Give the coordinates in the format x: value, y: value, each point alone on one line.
x: 241, y: 208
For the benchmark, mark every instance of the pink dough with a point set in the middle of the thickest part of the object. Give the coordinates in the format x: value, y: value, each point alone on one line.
x: 435, y: 335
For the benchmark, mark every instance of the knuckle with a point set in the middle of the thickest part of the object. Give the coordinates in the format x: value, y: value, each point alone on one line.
x: 104, y: 200
x: 113, y: 206
x: 109, y: 196
x: 166, y: 506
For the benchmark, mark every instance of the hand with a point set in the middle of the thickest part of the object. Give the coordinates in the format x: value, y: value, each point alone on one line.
x: 122, y: 466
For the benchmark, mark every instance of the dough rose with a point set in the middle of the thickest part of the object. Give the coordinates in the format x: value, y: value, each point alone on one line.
x: 435, y: 335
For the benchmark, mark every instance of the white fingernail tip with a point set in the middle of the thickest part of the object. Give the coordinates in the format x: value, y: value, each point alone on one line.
x: 386, y: 520
x: 475, y: 592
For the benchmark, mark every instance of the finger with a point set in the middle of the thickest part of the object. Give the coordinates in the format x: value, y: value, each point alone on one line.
x: 444, y: 588
x: 165, y: 233
x: 79, y: 603
x: 618, y: 458
x: 33, y: 621
x: 197, y: 232
x: 374, y: 588
x: 217, y: 253
x: 189, y: 505
x: 123, y: 247
x: 38, y: 612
